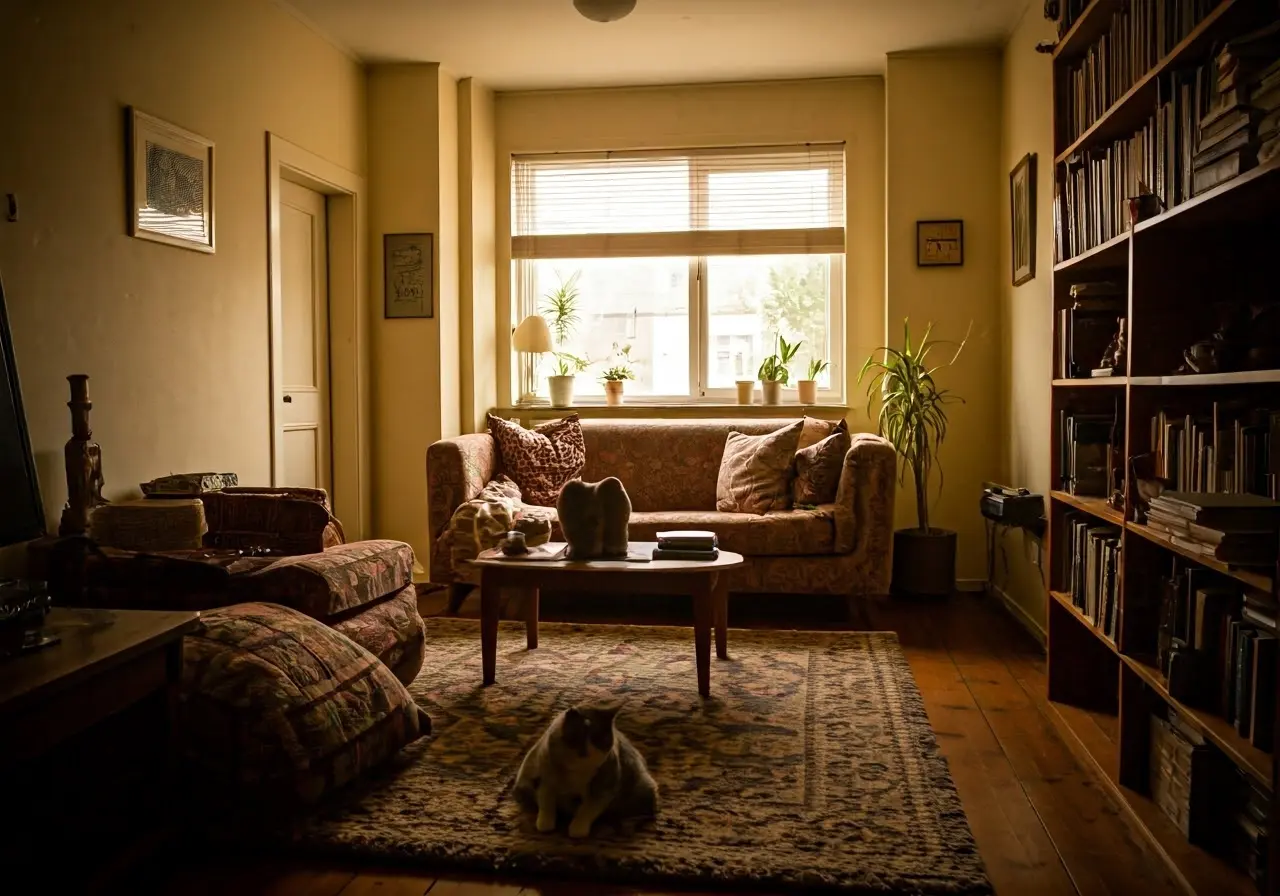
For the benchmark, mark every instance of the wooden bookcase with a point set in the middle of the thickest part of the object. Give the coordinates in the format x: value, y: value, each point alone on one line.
x: 1224, y: 243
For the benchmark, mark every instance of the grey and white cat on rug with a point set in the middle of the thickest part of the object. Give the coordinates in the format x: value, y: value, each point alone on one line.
x: 812, y: 765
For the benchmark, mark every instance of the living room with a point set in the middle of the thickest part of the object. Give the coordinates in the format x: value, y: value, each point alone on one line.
x: 465, y: 176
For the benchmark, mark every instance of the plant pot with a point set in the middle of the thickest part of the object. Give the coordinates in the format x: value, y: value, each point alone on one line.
x: 808, y: 390
x: 613, y: 393
x: 924, y: 563
x: 772, y: 390
x: 561, y: 390
x: 746, y: 391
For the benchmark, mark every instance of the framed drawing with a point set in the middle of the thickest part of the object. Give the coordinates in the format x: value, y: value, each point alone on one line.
x: 939, y: 243
x: 407, y: 268
x: 1022, y: 205
x: 170, y: 184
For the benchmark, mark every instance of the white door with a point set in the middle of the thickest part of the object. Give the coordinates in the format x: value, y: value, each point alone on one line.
x: 304, y: 274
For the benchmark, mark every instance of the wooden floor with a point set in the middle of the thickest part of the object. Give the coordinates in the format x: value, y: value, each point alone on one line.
x: 1041, y: 822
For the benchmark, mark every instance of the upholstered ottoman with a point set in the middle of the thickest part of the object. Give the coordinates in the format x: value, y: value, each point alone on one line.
x: 392, y: 630
x: 276, y: 706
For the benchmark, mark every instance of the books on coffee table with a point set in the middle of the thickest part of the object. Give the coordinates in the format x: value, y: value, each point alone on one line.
x: 678, y: 554
x: 686, y: 544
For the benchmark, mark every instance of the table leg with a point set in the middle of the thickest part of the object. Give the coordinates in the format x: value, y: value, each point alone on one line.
x: 722, y: 615
x: 490, y: 604
x: 531, y: 618
x: 703, y: 613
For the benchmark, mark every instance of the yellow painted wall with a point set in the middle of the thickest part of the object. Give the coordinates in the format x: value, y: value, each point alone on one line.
x: 942, y: 129
x: 476, y: 209
x: 777, y: 112
x: 1025, y: 311
x: 175, y: 342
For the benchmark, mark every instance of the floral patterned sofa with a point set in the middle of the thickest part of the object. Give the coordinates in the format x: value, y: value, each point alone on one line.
x: 669, y: 469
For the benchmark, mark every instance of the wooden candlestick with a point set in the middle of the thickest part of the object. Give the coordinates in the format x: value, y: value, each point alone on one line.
x: 83, y: 458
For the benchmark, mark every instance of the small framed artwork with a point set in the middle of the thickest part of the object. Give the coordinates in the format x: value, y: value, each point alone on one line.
x: 939, y: 243
x: 407, y: 267
x: 1022, y: 206
x: 170, y: 184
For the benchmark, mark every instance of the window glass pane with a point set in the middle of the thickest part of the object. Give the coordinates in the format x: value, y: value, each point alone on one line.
x: 750, y: 298
x: 638, y: 302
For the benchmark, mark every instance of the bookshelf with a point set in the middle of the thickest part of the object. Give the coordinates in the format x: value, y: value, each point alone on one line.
x: 1173, y: 267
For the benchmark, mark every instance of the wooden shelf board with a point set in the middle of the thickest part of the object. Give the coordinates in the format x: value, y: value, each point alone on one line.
x: 1249, y: 577
x: 1128, y: 113
x: 1114, y: 253
x: 1092, y: 23
x: 1254, y: 193
x: 1094, y: 506
x: 1065, y: 600
x: 1234, y: 378
x: 1198, y: 871
x: 1215, y: 728
x: 1082, y: 383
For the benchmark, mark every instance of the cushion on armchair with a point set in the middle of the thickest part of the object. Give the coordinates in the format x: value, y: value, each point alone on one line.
x: 392, y: 630
x: 332, y: 581
x: 285, y: 520
x: 279, y: 706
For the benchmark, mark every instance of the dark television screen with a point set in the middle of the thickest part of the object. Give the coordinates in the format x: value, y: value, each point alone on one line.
x: 21, y: 514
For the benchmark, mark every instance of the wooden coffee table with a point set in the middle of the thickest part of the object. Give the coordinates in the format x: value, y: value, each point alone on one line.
x: 707, y: 582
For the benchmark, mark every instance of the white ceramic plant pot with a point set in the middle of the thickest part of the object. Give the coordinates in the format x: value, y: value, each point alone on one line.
x: 561, y: 390
x: 808, y: 390
x: 613, y: 393
x: 746, y: 391
x: 772, y: 391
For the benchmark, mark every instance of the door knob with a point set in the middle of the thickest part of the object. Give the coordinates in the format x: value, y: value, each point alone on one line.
x: 288, y: 399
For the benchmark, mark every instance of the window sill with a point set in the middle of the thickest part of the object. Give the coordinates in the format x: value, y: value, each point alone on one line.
x: 687, y: 411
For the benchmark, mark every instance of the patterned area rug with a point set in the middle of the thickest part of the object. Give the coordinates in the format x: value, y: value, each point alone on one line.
x: 812, y: 765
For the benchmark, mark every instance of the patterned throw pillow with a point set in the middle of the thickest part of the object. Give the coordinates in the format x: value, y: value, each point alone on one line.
x: 755, y: 471
x: 540, y: 460
x: 815, y: 430
x: 818, y: 468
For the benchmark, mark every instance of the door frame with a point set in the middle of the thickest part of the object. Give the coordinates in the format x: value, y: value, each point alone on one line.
x: 349, y: 424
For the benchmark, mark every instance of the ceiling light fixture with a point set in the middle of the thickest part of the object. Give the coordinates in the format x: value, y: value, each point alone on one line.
x: 604, y: 10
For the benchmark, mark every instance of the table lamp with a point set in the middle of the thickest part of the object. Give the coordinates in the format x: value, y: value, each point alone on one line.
x: 531, y: 338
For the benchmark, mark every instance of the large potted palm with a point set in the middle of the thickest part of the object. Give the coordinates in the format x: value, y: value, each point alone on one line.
x: 913, y: 418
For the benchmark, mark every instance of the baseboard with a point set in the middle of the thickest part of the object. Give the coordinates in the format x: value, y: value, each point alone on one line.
x: 968, y: 585
x: 1016, y: 610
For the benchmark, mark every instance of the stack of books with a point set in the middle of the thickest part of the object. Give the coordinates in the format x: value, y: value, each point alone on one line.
x: 686, y: 544
x: 1229, y: 449
x: 1094, y: 571
x: 1180, y: 776
x: 1246, y: 841
x: 1238, y: 529
x: 1086, y: 452
x: 1242, y: 110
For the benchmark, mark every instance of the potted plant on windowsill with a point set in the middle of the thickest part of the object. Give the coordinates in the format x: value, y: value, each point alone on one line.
x: 560, y: 308
x: 773, y: 373
x: 913, y: 418
x: 808, y: 388
x: 564, y: 375
x: 617, y: 374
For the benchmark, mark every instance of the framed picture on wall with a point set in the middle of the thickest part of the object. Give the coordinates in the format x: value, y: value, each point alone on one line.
x: 939, y: 243
x: 407, y: 266
x: 1022, y: 206
x: 170, y: 183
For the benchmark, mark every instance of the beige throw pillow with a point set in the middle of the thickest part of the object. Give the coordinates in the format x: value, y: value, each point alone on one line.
x: 818, y: 468
x: 755, y: 471
x: 815, y: 430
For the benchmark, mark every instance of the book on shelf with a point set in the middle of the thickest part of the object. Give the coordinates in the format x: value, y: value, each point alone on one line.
x: 1093, y: 571
x: 1220, y: 510
x: 1231, y: 448
x: 1088, y: 453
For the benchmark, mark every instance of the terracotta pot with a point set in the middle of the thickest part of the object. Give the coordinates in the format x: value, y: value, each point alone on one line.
x: 772, y: 391
x: 561, y: 390
x: 924, y: 563
x: 746, y: 391
x: 613, y: 392
x: 808, y: 390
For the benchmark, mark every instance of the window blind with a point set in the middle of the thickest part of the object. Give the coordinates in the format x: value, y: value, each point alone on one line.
x: 744, y: 201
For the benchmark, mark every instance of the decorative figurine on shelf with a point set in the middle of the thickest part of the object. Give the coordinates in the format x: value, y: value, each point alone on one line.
x: 1225, y: 348
x: 1113, y: 358
x: 593, y: 517
x: 83, y: 458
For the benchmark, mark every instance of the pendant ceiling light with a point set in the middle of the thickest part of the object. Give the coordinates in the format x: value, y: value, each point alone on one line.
x: 604, y: 10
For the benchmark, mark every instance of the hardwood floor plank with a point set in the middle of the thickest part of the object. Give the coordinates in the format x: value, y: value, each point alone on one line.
x: 389, y: 883
x: 450, y: 887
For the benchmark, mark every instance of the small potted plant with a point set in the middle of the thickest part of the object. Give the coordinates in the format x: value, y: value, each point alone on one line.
x: 773, y: 373
x: 563, y: 376
x: 746, y: 391
x: 808, y: 387
x: 617, y: 374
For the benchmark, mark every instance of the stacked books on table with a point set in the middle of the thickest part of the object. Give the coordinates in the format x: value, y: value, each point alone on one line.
x: 1238, y: 529
x: 686, y: 544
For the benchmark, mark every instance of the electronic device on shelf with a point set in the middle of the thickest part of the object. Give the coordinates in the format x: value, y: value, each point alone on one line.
x: 1008, y: 506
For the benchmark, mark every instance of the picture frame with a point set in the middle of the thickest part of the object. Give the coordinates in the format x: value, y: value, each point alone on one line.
x: 940, y: 243
x: 1022, y: 218
x: 408, y: 267
x: 170, y: 183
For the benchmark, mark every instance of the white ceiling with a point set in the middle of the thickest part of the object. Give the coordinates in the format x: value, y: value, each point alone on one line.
x: 529, y: 44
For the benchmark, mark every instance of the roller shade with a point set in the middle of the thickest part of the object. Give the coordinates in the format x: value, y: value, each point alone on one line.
x: 747, y: 201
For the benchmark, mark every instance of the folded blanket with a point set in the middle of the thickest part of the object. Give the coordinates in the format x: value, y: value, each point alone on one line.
x: 484, y: 521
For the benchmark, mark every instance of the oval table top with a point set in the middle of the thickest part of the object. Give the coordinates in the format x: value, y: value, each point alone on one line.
x: 726, y: 560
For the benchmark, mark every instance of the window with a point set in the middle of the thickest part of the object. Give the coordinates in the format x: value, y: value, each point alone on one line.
x: 694, y: 261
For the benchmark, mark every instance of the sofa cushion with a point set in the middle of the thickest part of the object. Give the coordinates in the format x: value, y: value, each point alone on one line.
x: 755, y: 471
x: 818, y: 468
x: 815, y: 430
x: 392, y: 630
x: 332, y: 581
x: 277, y: 705
x: 777, y: 533
x: 540, y: 460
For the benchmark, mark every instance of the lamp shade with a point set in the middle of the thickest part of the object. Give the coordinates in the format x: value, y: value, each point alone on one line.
x: 533, y: 335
